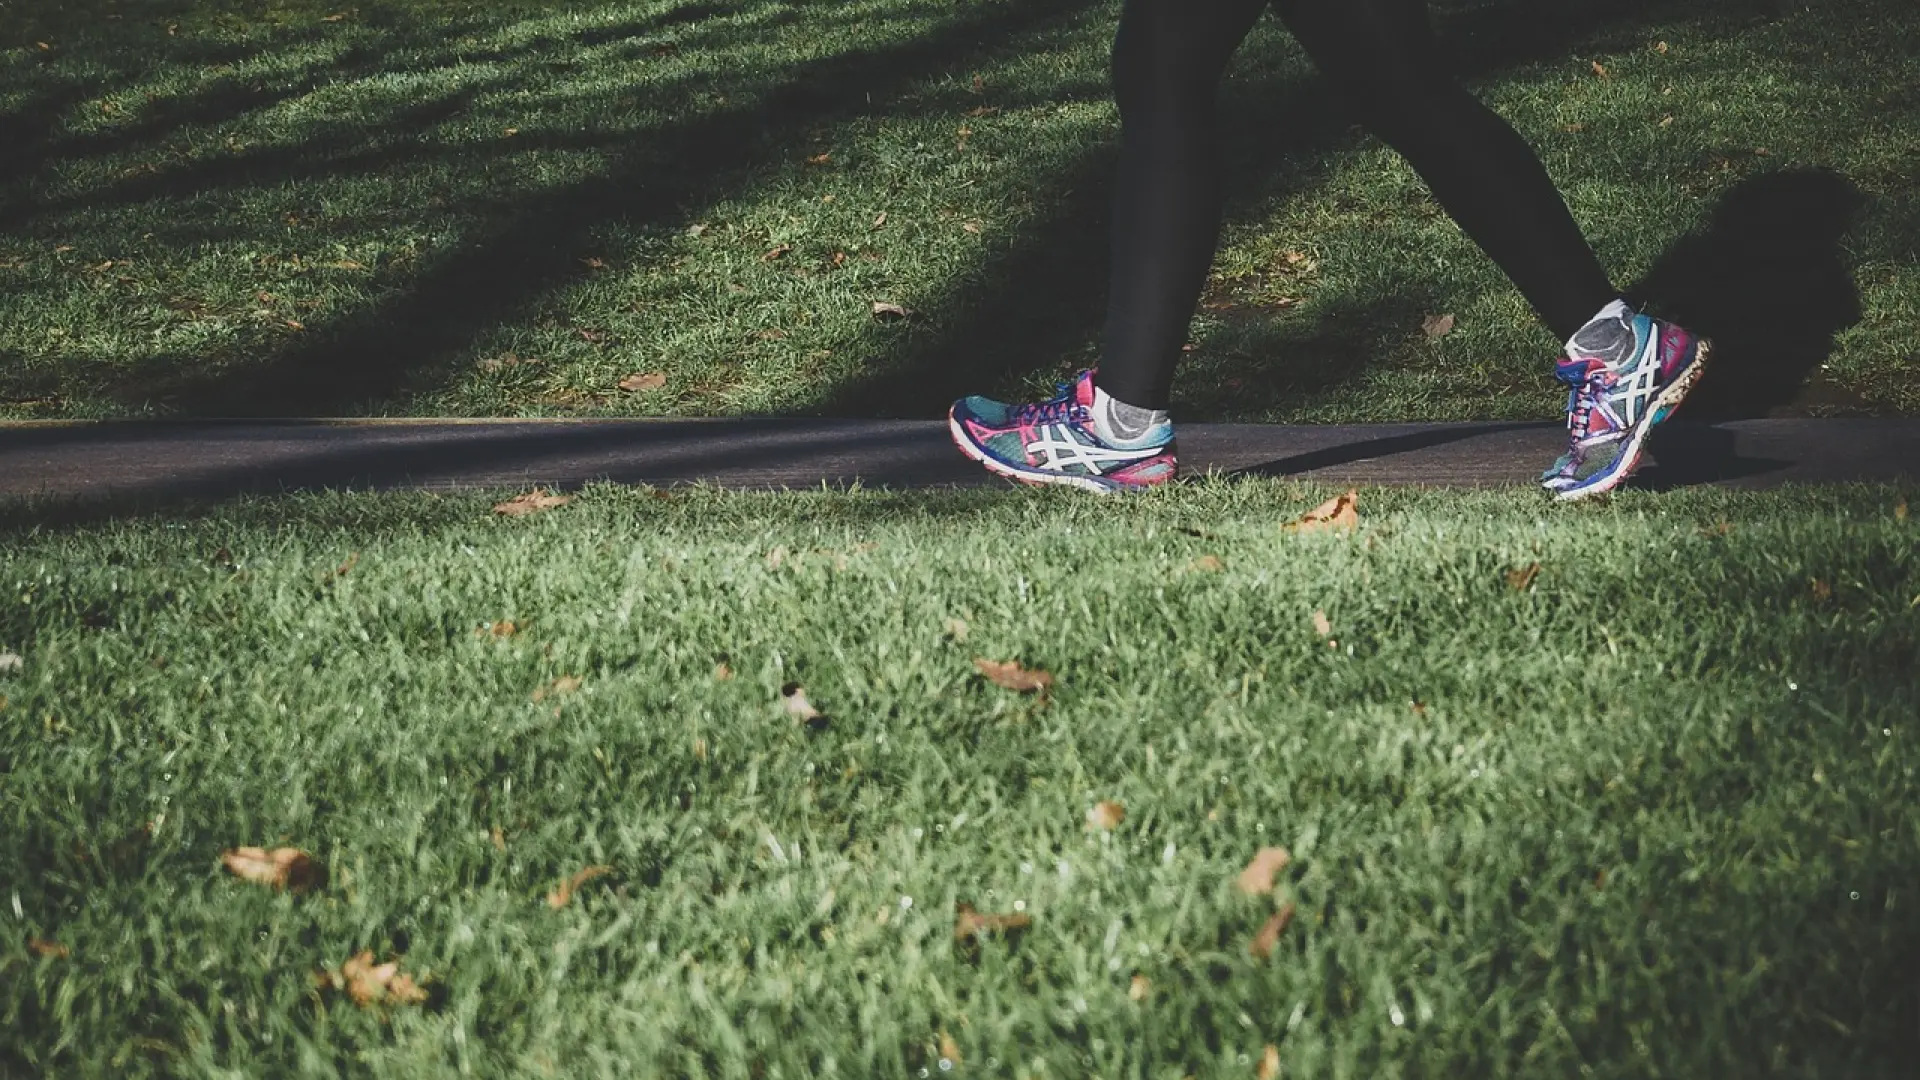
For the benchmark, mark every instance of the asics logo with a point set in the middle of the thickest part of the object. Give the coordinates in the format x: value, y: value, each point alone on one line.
x: 1055, y: 448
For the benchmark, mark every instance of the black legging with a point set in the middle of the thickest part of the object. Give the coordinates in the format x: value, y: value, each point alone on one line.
x: 1380, y: 57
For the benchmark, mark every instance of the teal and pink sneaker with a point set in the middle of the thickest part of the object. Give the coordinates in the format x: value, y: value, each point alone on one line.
x: 1054, y: 442
x: 1626, y: 376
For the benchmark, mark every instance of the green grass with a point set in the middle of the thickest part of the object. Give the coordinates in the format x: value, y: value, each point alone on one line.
x: 1654, y: 816
x: 243, y: 207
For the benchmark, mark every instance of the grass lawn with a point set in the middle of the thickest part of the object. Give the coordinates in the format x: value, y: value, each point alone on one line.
x: 492, y: 208
x: 1647, y: 810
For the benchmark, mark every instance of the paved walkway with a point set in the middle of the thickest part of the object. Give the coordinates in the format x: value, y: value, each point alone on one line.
x: 220, y: 458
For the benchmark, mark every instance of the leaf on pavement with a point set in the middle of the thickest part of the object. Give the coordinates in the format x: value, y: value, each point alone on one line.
x: 1338, y: 514
x: 559, y: 897
x: 1106, y: 815
x: 1009, y: 675
x: 1522, y: 579
x: 1257, y: 878
x: 281, y: 868
x: 641, y: 382
x: 1437, y: 326
x: 970, y: 925
x: 368, y: 983
x: 1263, y: 942
x: 532, y: 502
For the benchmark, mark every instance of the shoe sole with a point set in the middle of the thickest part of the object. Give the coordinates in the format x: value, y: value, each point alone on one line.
x: 1663, y: 407
x: 1030, y: 477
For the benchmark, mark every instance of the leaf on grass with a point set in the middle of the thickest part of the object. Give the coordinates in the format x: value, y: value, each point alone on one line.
x: 560, y: 687
x: 1660, y: 47
x: 820, y: 159
x: 699, y: 748
x: 532, y: 502
x: 281, y: 868
x: 949, y: 1051
x: 886, y: 309
x: 642, y: 381
x: 957, y: 629
x: 43, y: 947
x: 972, y: 227
x: 722, y: 672
x: 558, y: 898
x: 970, y: 925
x: 696, y: 229
x: 1106, y: 815
x: 368, y: 983
x: 793, y: 701
x: 353, y: 560
x: 1269, y: 1067
x: 502, y: 629
x: 778, y: 252
x: 982, y: 110
x: 1822, y: 592
x: 979, y: 84
x: 1009, y: 675
x: 1139, y: 989
x: 1600, y: 69
x: 498, y: 837
x: 880, y: 219
x: 1522, y: 579
x: 10, y: 662
x: 1437, y: 326
x: 1338, y: 514
x: 1263, y: 942
x: 1900, y: 510
x: 1321, y: 625
x: 1209, y: 562
x: 1257, y: 878
x: 1419, y: 708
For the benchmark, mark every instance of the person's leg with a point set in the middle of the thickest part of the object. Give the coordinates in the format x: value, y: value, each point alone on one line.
x: 1168, y: 58
x: 1381, y: 58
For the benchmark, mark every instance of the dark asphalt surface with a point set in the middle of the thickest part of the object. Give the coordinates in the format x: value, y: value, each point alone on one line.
x: 223, y: 458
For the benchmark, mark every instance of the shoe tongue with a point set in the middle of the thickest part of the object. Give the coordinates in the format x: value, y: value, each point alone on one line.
x: 1083, y: 390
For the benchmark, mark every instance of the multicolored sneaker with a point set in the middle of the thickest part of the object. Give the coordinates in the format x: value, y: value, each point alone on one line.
x: 1053, y: 442
x: 1627, y: 375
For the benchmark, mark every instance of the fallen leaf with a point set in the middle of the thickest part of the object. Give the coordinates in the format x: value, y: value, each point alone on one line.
x: 721, y: 672
x: 880, y: 219
x: 777, y: 253
x: 10, y: 662
x: 1822, y: 592
x: 353, y: 560
x: 295, y: 324
x: 531, y: 503
x: 336, y: 17
x: 498, y: 837
x: 1660, y: 47
x: 1257, y: 878
x: 969, y: 925
x: 1601, y: 70
x: 1419, y: 708
x: 1209, y: 562
x: 983, y: 110
x: 43, y: 947
x: 820, y: 159
x: 1339, y: 514
x: 1667, y: 120
x: 1139, y: 989
x: 1900, y: 510
x: 1522, y: 579
x: 1106, y: 815
x: 696, y: 229
x: 793, y: 700
x: 839, y: 258
x: 560, y: 687
x: 502, y: 629
x: 1011, y: 676
x: 345, y: 264
x: 886, y: 309
x: 1263, y: 942
x: 558, y: 898
x: 949, y: 1051
x: 510, y: 132
x: 972, y: 227
x: 777, y: 556
x: 1269, y: 1067
x: 957, y: 629
x: 1435, y: 326
x: 641, y: 382
x: 699, y: 748
x: 1321, y: 625
x: 594, y: 262
x: 281, y: 868
x: 1723, y: 528
x: 979, y: 84
x: 368, y: 983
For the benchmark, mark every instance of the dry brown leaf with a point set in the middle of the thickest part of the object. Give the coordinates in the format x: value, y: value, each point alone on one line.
x: 699, y: 748
x: 949, y: 1050
x: 1435, y: 326
x: 1257, y: 878
x: 560, y: 687
x: 722, y: 672
x: 1900, y: 510
x: 979, y: 84
x: 593, y: 262
x: 1139, y: 989
x: 1522, y: 579
x: 1660, y: 47
x: 696, y: 228
x: 1263, y: 942
x: 957, y: 629
x: 1269, y: 1067
x: 502, y: 629
x: 43, y: 947
x: 880, y: 219
x: 640, y: 382
x: 793, y: 699
x: 558, y: 898
x: 353, y: 560
x: 532, y: 502
x: 1321, y: 625
x: 1209, y: 562
x: 969, y: 925
x: 1601, y: 70
x: 336, y: 17
x: 499, y: 838
x: 972, y: 227
x: 1419, y: 708
x: 281, y: 868
x: 779, y: 251
x: 1339, y: 514
x: 820, y: 159
x: 1106, y: 815
x: 886, y: 309
x: 368, y: 983
x: 1009, y: 675
x: 1822, y: 592
x: 983, y: 110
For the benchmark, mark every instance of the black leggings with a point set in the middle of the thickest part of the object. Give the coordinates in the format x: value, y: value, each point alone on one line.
x: 1380, y: 57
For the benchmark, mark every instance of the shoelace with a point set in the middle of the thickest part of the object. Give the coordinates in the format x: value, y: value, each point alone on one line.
x: 1581, y: 406
x: 1057, y: 408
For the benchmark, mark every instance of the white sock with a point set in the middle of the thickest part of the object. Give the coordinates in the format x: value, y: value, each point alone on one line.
x: 1609, y: 316
x: 1119, y: 423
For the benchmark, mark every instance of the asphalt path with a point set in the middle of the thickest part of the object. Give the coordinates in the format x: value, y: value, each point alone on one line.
x: 215, y: 459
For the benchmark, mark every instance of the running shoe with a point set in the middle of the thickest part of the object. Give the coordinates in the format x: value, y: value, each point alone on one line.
x: 1625, y: 377
x: 1054, y: 442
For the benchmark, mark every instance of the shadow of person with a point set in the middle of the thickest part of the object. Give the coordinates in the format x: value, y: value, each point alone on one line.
x: 1767, y: 281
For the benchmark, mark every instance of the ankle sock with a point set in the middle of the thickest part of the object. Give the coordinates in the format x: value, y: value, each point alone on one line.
x: 1607, y: 336
x: 1119, y: 423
